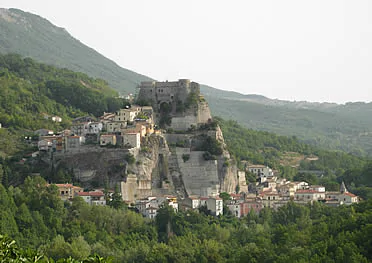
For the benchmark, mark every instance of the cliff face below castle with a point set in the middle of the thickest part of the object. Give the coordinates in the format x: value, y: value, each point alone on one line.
x: 174, y: 164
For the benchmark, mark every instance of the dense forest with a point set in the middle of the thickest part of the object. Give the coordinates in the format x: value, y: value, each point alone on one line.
x: 34, y: 216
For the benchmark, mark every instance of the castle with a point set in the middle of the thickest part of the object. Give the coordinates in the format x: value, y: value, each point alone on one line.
x: 170, y: 92
x: 181, y: 99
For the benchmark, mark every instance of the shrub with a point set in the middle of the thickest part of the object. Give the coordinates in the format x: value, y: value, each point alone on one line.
x: 185, y: 157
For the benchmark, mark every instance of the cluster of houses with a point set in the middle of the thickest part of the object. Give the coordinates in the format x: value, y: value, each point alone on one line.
x: 149, y: 206
x: 268, y: 195
x: 124, y: 128
x: 69, y: 191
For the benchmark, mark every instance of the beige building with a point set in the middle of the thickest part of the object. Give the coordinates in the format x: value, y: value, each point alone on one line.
x: 115, y: 126
x: 137, y: 128
x: 307, y: 195
x: 124, y: 115
x: 68, y: 191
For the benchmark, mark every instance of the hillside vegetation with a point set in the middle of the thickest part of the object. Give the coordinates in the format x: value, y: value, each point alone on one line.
x: 30, y: 91
x: 258, y: 147
x: 328, y: 125
x: 37, y: 219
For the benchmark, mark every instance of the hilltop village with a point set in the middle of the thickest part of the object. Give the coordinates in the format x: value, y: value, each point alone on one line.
x: 167, y: 149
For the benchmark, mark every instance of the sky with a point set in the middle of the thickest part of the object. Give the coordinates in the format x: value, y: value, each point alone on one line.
x: 318, y: 50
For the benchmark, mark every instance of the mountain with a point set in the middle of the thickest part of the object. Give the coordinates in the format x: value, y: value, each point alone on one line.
x: 33, y: 36
x: 344, y: 127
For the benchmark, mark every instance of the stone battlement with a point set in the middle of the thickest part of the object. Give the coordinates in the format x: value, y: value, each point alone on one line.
x: 170, y: 92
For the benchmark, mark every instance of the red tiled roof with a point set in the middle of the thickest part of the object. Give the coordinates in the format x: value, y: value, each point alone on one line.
x: 95, y: 193
x: 350, y: 194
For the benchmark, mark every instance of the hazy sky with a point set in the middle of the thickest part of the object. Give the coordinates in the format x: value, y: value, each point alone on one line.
x: 318, y: 50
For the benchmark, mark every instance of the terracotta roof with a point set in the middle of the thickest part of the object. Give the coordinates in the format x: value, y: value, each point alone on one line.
x: 349, y: 194
x: 95, y: 193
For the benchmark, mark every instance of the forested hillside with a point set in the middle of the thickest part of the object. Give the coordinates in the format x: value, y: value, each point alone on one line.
x: 30, y: 90
x: 340, y: 127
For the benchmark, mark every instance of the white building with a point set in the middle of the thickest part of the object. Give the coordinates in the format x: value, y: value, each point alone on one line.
x: 94, y: 128
x: 93, y: 198
x: 318, y: 188
x: 261, y: 171
x: 215, y: 205
x: 306, y: 195
x: 56, y: 119
x: 149, y: 207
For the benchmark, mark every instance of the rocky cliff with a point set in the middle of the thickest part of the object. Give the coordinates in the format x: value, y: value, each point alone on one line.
x: 190, y: 158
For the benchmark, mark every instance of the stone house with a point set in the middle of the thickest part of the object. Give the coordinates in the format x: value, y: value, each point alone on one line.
x: 125, y: 115
x: 107, y: 139
x: 138, y: 127
x: 191, y: 202
x: 74, y: 142
x: 132, y: 140
x: 44, y: 145
x: 269, y: 198
x: 255, y: 205
x: 68, y: 191
x: 235, y: 208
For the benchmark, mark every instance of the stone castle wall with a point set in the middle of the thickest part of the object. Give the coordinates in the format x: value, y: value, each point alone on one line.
x: 169, y: 91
